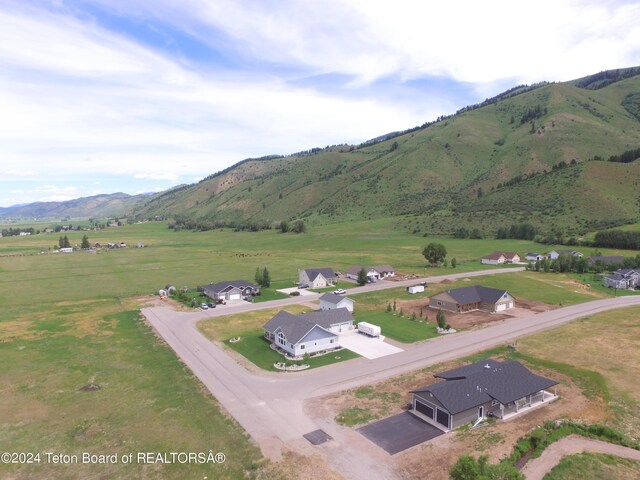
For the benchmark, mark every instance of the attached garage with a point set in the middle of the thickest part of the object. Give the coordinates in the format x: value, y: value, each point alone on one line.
x: 442, y: 417
x: 235, y: 296
x: 426, y: 410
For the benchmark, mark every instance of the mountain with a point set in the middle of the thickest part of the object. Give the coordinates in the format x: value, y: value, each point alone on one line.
x: 98, y: 206
x: 535, y: 154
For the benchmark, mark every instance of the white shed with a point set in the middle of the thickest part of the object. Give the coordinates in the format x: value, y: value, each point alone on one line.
x: 415, y: 289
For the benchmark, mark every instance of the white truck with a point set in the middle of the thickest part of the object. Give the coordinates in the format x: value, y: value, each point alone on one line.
x: 369, y: 329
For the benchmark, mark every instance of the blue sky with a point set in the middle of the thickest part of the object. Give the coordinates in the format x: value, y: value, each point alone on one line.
x: 100, y: 96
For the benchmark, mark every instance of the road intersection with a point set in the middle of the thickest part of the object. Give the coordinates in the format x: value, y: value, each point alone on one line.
x: 271, y: 406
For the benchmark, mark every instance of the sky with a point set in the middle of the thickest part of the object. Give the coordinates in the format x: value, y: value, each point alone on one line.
x: 104, y: 96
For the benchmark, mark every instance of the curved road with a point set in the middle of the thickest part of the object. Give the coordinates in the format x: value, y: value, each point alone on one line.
x: 537, y: 468
x: 270, y: 406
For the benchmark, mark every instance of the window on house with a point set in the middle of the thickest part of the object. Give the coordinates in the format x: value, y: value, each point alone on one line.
x: 494, y: 403
x: 331, y: 341
x: 302, y: 347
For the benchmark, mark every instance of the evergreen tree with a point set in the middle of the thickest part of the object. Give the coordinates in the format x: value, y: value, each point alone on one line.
x: 266, y: 278
x: 362, y: 277
x: 258, y: 276
x: 85, y: 243
x: 440, y: 318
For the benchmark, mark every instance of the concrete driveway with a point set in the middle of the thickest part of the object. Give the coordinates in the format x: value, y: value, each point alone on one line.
x: 303, y: 291
x: 365, y: 346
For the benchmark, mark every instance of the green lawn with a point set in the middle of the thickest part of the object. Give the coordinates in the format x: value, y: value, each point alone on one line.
x: 594, y: 466
x: 255, y: 348
x: 267, y: 294
x: 339, y: 284
x: 398, y: 328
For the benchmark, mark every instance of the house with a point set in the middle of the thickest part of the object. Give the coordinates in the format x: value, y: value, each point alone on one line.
x: 374, y: 273
x: 499, y: 258
x: 317, y: 277
x: 535, y: 257
x: 331, y: 301
x: 308, y: 332
x: 605, y: 260
x: 624, y: 278
x: 476, y: 297
x: 230, y: 290
x: 554, y: 254
x: 483, y: 389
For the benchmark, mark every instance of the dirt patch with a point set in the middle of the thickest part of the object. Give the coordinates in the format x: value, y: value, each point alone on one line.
x: 295, y: 466
x: 399, y: 277
x: 90, y: 387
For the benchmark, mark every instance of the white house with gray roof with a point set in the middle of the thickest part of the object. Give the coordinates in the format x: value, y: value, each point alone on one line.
x: 476, y: 297
x: 230, y: 290
x: 483, y: 389
x: 317, y: 277
x: 308, y: 332
x: 554, y: 254
x: 331, y: 301
x: 375, y: 272
x: 623, y: 279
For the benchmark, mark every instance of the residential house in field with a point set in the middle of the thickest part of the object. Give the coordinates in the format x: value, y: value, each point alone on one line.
x: 374, y: 273
x: 331, y: 301
x: 230, y: 290
x: 308, y: 332
x: 500, y: 258
x: 625, y: 278
x: 476, y: 297
x: 483, y: 389
x: 605, y: 260
x: 317, y: 277
x: 554, y: 254
x: 535, y: 257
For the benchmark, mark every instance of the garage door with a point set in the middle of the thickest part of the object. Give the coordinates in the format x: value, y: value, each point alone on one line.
x: 235, y: 296
x: 501, y: 307
x: 424, y: 409
x: 442, y: 418
x: 510, y: 304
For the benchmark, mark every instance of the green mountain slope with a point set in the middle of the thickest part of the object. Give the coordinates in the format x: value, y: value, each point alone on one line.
x: 432, y: 176
x: 99, y: 206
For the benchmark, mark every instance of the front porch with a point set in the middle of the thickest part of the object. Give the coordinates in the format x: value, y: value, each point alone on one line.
x: 525, y: 404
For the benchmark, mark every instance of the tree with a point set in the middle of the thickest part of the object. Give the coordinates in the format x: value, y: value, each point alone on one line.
x: 475, y: 234
x: 434, y: 253
x: 258, y: 276
x: 266, y: 278
x: 284, y: 226
x: 85, y: 243
x: 454, y: 262
x: 440, y: 318
x: 362, y: 277
x: 298, y: 226
x: 61, y: 242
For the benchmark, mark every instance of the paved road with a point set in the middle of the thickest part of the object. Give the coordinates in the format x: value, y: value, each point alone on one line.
x: 537, y: 468
x: 270, y: 406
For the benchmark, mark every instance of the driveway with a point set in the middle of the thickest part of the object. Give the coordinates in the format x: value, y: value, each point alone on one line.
x: 399, y: 432
x: 303, y: 291
x: 365, y: 346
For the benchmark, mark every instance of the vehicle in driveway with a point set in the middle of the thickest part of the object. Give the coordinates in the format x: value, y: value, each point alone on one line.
x: 340, y: 291
x: 211, y: 305
x: 204, y: 306
x: 303, y: 285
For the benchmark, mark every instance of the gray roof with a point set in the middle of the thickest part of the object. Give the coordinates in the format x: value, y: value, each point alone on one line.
x: 605, y: 259
x: 485, y: 381
x: 476, y: 293
x: 467, y: 370
x: 327, y: 273
x: 623, y: 274
x: 333, y: 298
x: 328, y: 318
x: 569, y: 252
x: 296, y: 327
x: 221, y: 286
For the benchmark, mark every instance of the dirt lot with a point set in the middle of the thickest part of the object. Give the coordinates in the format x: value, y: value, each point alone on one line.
x: 495, y: 440
x: 474, y: 319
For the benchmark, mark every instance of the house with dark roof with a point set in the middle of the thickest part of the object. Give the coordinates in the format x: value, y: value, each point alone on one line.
x: 500, y: 258
x: 554, y: 254
x: 488, y: 388
x: 605, y: 260
x: 476, y: 297
x: 230, y: 290
x: 331, y: 301
x: 308, y: 332
x: 374, y: 273
x: 625, y: 278
x: 317, y: 277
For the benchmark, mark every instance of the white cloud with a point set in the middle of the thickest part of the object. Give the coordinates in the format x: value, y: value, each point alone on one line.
x: 158, y: 176
x: 18, y: 173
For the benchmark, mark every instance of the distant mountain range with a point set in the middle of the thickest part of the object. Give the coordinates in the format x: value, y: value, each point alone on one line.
x: 98, y: 206
x: 536, y: 154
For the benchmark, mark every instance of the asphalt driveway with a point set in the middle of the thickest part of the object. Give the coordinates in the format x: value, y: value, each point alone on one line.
x: 399, y: 432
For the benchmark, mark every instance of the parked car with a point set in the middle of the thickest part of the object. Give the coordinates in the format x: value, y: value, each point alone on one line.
x: 204, y: 306
x: 340, y: 291
x: 303, y: 285
x: 295, y: 293
x: 211, y: 305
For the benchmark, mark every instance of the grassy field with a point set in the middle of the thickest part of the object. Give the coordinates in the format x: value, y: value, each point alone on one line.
x: 398, y: 328
x: 594, y: 466
x: 147, y: 400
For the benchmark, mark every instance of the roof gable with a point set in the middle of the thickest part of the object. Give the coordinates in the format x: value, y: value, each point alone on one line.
x: 334, y: 299
x: 327, y: 273
x: 242, y: 285
x: 476, y: 293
